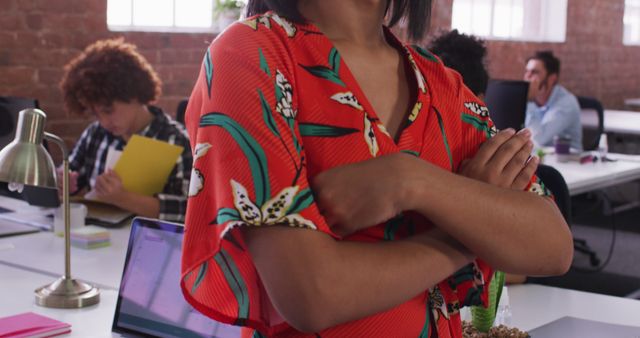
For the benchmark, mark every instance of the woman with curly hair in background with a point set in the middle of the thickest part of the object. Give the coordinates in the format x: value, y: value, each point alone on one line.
x: 116, y: 84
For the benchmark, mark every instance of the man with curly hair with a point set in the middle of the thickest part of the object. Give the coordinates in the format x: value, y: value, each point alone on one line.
x: 466, y: 55
x: 112, y: 81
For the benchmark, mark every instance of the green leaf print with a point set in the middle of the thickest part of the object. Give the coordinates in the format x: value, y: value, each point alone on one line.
x: 227, y: 214
x: 267, y: 115
x: 235, y: 282
x: 264, y: 66
x: 324, y: 130
x: 427, y: 323
x: 325, y: 73
x: 334, y: 60
x: 391, y: 227
x: 411, y: 152
x: 302, y: 200
x: 424, y: 53
x: 477, y: 123
x: 208, y: 70
x: 444, y: 137
x: 332, y: 74
x: 251, y: 149
x: 201, y: 272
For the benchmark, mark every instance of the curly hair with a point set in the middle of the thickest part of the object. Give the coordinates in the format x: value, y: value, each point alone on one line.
x: 107, y: 71
x: 465, y: 54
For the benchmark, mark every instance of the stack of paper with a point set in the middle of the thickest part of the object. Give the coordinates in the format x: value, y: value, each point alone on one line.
x: 33, y: 325
x: 90, y: 237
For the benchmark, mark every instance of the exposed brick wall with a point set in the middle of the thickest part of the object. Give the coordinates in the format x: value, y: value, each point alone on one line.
x: 594, y: 60
x: 37, y: 37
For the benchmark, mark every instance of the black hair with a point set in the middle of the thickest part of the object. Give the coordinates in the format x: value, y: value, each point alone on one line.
x: 465, y: 54
x: 550, y: 61
x: 417, y: 12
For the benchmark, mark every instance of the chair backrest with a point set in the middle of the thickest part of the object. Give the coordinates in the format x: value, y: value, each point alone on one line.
x: 181, y: 109
x: 554, y: 181
x: 507, y: 103
x: 592, y: 119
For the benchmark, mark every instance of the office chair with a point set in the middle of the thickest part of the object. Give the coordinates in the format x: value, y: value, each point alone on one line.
x: 554, y: 181
x: 181, y: 109
x: 592, y: 118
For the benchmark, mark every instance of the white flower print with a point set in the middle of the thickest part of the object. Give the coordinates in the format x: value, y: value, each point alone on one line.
x: 284, y: 106
x: 370, y: 137
x: 196, y: 183
x: 477, y: 109
x: 200, y: 150
x: 273, y: 212
x: 347, y: 98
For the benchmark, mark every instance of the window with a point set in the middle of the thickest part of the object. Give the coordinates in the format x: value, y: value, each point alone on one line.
x: 631, y: 35
x: 168, y: 15
x: 524, y: 20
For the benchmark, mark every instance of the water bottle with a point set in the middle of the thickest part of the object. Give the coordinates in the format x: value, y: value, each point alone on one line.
x: 603, y: 147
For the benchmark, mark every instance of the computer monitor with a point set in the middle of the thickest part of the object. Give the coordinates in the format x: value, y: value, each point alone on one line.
x: 507, y: 103
x: 150, y: 301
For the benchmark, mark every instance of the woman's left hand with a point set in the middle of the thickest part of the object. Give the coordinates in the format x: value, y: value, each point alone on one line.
x: 360, y: 195
x: 109, y: 187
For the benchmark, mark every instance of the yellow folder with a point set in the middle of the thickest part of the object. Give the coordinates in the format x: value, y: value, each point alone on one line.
x: 146, y: 163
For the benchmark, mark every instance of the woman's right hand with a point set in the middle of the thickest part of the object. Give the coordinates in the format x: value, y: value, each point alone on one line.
x: 356, y: 196
x: 503, y: 160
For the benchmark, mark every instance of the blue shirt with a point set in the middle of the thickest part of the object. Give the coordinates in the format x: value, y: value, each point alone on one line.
x: 560, y: 116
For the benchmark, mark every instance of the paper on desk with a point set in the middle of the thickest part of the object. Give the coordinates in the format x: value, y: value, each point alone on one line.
x: 112, y: 158
x: 145, y: 164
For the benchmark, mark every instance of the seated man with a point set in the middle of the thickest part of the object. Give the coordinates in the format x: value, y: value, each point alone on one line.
x: 114, y: 83
x: 552, y: 110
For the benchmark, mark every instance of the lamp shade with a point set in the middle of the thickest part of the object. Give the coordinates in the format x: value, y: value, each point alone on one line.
x: 25, y: 160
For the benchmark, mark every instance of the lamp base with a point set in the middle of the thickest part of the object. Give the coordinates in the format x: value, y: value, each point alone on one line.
x: 67, y: 294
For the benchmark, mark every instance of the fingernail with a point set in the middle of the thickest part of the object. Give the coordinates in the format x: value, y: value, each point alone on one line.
x: 525, y: 132
x: 509, y: 130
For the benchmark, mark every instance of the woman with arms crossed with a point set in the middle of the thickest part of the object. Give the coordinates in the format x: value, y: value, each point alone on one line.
x: 410, y: 205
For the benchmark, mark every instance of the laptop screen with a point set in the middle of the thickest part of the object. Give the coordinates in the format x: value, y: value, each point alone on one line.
x: 150, y: 302
x: 507, y: 103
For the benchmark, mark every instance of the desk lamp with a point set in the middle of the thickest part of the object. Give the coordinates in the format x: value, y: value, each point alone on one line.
x: 24, y: 161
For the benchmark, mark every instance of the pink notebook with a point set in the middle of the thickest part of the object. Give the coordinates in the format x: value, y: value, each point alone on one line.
x: 31, y: 325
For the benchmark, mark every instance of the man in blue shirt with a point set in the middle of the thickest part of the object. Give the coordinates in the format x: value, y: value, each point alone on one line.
x: 552, y: 110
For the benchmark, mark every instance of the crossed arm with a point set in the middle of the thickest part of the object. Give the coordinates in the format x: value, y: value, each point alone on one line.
x: 316, y: 282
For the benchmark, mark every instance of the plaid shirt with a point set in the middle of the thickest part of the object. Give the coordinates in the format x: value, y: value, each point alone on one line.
x: 89, y: 157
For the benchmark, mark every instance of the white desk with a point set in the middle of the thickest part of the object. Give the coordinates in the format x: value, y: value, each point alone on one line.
x: 16, y: 295
x: 634, y: 102
x: 622, y: 122
x: 535, y: 305
x: 586, y: 177
x: 30, y: 261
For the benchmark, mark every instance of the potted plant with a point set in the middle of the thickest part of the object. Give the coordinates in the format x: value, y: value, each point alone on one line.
x: 226, y: 12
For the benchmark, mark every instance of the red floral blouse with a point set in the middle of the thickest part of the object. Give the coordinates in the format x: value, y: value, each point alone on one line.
x: 274, y: 106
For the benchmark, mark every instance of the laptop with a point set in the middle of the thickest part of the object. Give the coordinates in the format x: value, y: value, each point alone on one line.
x: 507, y: 103
x: 150, y: 301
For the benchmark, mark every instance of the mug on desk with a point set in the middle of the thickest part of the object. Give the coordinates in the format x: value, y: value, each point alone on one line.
x: 562, y: 147
x: 77, y: 215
